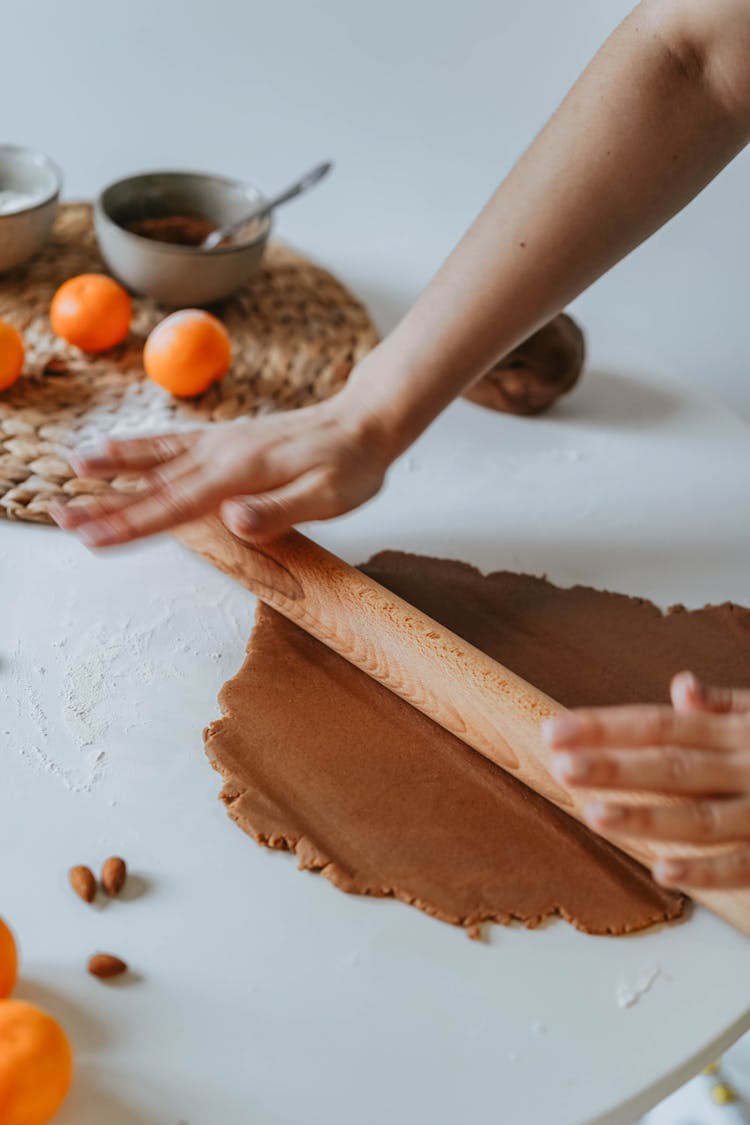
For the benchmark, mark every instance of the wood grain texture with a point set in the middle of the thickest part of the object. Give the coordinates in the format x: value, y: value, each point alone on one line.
x: 474, y: 697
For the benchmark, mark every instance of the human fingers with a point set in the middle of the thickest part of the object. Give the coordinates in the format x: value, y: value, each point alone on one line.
x: 690, y: 694
x: 691, y: 821
x: 726, y: 871
x: 130, y: 455
x: 172, y: 504
x: 188, y: 486
x: 74, y: 515
x: 312, y: 496
x: 658, y: 769
x: 80, y: 509
x: 642, y: 725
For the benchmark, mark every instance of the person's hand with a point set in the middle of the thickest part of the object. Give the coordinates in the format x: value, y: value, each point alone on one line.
x: 262, y: 475
x: 698, y: 749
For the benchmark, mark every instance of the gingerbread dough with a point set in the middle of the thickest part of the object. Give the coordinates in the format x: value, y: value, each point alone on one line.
x: 535, y: 374
x: 322, y: 760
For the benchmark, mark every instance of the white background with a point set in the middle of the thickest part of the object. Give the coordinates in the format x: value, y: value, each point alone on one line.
x: 424, y: 106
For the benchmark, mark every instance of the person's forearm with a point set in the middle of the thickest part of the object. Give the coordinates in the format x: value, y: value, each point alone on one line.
x: 650, y: 122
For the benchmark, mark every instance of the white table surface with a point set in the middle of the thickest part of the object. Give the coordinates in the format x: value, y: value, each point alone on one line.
x: 264, y: 995
x: 639, y: 486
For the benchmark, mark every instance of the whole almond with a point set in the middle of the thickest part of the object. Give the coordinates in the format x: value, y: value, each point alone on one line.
x: 114, y: 874
x: 82, y: 881
x: 104, y: 965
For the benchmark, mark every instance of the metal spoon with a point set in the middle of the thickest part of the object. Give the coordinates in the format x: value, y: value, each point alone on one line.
x: 317, y: 173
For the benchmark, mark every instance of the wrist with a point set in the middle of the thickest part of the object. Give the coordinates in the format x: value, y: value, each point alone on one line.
x: 373, y: 407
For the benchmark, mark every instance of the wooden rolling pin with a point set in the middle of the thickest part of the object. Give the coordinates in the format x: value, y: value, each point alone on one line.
x: 445, y: 677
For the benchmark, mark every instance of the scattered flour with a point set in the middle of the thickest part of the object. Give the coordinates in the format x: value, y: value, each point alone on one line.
x: 71, y: 710
x: 34, y: 742
x: 629, y: 994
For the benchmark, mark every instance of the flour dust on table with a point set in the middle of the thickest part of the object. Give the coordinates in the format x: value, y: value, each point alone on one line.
x: 88, y: 695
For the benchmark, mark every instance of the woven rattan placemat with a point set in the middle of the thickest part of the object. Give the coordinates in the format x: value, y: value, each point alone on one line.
x: 296, y: 334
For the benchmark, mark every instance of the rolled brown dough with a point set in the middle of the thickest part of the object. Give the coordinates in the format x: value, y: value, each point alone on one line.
x: 319, y: 759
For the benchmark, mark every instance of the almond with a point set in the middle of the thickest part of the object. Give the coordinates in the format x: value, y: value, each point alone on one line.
x: 82, y: 881
x: 114, y: 874
x: 104, y: 965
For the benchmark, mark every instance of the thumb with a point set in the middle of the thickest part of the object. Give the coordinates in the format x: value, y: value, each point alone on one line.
x: 269, y: 514
x: 691, y: 694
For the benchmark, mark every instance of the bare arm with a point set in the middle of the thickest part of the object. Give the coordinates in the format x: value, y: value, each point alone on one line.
x: 662, y: 107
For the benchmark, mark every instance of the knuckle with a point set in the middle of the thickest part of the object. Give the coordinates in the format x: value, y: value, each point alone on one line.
x: 605, y: 768
x: 641, y: 818
x: 676, y: 764
x: 602, y: 732
x: 259, y: 464
x: 164, y: 447
x: 157, y: 480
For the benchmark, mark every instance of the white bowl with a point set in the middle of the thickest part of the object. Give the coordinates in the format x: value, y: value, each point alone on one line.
x: 37, y: 181
x: 178, y: 275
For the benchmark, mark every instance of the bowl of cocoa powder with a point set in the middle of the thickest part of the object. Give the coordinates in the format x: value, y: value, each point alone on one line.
x: 150, y: 228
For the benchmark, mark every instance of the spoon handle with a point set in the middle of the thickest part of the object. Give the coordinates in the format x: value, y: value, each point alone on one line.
x: 307, y: 181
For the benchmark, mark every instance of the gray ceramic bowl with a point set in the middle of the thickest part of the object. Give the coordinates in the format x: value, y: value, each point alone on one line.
x: 37, y: 182
x: 178, y: 275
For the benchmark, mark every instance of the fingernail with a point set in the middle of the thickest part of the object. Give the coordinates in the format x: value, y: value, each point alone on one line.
x: 95, y: 535
x: 562, y: 730
x: 603, y: 814
x: 693, y: 683
x: 571, y: 767
x: 670, y: 870
x: 243, y: 517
